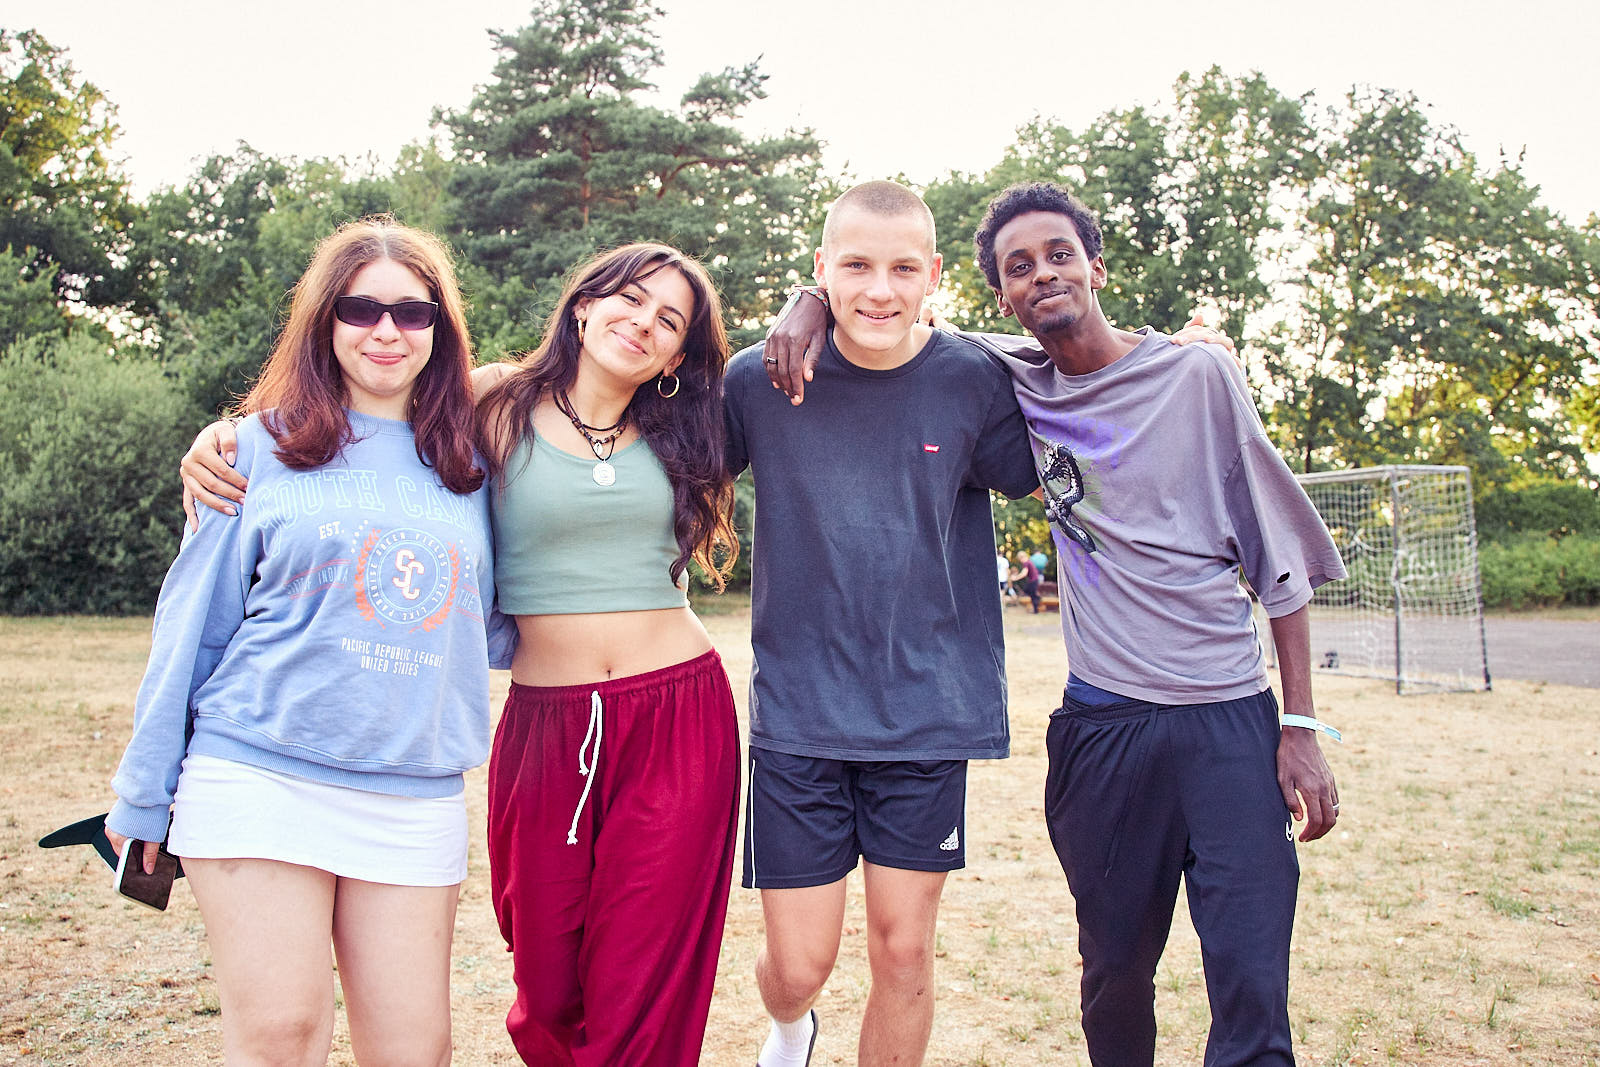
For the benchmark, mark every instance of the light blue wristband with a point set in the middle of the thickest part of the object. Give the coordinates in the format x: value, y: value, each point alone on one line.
x: 1308, y: 723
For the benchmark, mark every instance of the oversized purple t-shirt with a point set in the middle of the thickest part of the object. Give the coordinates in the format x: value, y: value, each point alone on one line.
x: 1161, y: 485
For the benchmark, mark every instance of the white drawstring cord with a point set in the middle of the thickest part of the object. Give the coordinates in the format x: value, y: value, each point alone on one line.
x: 597, y: 729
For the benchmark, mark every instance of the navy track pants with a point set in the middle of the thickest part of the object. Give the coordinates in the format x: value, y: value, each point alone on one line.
x: 1139, y: 795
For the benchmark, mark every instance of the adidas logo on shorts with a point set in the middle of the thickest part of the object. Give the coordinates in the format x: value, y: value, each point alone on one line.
x: 953, y: 842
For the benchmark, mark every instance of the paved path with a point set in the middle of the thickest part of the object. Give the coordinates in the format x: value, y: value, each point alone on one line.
x: 1544, y: 650
x: 1565, y: 652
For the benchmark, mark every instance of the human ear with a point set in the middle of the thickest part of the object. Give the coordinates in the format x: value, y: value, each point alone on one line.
x: 1097, y: 273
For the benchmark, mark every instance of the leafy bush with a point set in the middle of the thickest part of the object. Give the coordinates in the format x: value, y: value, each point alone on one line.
x: 1534, y: 571
x: 89, y: 512
x: 1547, y: 508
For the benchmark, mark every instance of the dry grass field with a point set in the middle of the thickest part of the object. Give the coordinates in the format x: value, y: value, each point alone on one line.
x: 1453, y: 917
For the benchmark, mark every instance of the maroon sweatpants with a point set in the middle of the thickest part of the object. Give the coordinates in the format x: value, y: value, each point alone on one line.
x: 612, y: 900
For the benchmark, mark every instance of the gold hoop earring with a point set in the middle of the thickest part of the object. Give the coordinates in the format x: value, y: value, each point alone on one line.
x: 676, y: 383
x: 582, y: 322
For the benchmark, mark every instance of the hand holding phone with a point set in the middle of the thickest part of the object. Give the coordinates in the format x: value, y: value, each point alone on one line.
x: 151, y: 890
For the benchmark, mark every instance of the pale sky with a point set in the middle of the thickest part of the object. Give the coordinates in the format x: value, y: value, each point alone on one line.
x: 914, y: 87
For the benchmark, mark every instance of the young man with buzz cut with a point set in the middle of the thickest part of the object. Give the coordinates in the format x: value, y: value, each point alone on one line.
x: 1168, y: 759
x: 879, y: 665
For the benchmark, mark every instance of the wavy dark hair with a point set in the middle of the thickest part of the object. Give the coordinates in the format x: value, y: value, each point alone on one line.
x: 686, y: 432
x: 301, y: 383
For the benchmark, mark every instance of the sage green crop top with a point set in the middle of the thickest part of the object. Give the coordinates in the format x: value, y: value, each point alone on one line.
x: 566, y: 545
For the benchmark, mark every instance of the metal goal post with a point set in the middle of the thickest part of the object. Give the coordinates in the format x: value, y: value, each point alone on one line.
x: 1412, y: 606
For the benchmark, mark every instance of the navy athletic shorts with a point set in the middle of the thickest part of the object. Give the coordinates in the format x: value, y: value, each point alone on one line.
x: 807, y: 820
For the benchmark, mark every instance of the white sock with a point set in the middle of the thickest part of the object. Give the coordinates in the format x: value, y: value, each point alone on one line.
x: 788, y: 1044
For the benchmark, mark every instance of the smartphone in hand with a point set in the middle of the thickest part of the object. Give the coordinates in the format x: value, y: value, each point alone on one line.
x: 151, y: 890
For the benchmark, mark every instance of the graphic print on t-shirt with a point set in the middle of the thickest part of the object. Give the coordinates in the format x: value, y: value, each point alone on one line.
x: 1063, y: 488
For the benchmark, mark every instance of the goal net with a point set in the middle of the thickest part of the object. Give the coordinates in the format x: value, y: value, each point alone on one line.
x: 1412, y: 607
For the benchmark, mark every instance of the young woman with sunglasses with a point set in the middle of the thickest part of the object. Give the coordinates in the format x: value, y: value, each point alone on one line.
x: 613, y: 786
x: 318, y: 681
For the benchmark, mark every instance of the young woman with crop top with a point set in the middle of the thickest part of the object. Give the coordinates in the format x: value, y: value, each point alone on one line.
x: 614, y: 782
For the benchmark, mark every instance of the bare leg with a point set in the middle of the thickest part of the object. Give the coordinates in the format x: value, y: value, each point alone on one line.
x: 803, y: 928
x: 268, y: 925
x: 393, y: 946
x: 902, y: 914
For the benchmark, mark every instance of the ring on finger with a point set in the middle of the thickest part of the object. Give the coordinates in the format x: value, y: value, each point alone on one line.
x: 771, y: 359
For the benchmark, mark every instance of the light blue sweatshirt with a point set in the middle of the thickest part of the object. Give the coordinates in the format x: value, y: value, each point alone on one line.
x: 340, y: 629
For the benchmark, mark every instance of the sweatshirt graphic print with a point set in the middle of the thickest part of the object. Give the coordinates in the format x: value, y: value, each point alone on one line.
x: 335, y: 630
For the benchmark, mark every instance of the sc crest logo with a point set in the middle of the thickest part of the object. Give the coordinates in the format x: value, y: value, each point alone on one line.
x: 406, y: 577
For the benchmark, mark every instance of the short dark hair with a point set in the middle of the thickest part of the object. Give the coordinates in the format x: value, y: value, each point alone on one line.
x: 1020, y: 199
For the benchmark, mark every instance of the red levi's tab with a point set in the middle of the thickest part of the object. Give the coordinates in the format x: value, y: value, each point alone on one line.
x: 930, y: 448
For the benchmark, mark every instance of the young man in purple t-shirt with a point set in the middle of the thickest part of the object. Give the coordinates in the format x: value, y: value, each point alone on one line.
x: 1168, y: 759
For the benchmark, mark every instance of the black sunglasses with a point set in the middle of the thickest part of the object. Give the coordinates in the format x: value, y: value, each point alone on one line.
x: 407, y: 315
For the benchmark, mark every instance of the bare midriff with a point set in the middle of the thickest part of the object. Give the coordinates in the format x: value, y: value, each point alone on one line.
x: 579, y: 649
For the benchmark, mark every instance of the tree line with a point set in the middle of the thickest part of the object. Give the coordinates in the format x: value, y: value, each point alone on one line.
x: 1396, y: 298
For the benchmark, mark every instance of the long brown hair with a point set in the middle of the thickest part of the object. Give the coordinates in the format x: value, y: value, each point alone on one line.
x: 301, y: 383
x: 685, y: 432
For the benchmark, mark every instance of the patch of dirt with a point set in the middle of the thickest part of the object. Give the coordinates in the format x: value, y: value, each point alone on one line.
x: 1453, y: 917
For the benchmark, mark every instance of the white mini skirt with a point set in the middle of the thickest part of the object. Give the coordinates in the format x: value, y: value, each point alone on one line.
x: 228, y: 810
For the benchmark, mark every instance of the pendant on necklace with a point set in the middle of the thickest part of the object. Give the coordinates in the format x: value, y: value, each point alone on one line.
x: 604, y: 473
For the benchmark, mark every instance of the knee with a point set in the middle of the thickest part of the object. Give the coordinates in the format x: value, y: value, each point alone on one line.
x: 901, y: 957
x: 1119, y: 961
x: 795, y: 975
x: 404, y: 1050
x: 287, y: 1036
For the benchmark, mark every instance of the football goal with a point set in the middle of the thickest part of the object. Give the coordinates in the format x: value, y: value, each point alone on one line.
x: 1412, y: 608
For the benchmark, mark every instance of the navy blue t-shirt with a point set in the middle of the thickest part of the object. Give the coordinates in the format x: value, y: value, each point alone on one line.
x: 876, y: 618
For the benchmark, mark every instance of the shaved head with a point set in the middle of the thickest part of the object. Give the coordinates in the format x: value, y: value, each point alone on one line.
x: 887, y: 199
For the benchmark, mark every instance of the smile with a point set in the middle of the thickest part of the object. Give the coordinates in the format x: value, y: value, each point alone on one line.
x: 878, y: 316
x: 629, y: 343
x: 385, y: 359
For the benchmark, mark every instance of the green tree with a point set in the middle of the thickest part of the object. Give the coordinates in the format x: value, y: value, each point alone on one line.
x: 219, y: 254
x: 62, y: 202
x: 1445, y: 315
x: 28, y: 304
x: 1186, y: 196
x: 88, y: 520
x: 1398, y: 302
x: 560, y: 156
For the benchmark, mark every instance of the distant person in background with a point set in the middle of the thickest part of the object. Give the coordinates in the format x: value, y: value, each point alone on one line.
x: 1026, y: 578
x: 319, y: 673
x: 1004, y: 570
x: 1041, y: 561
